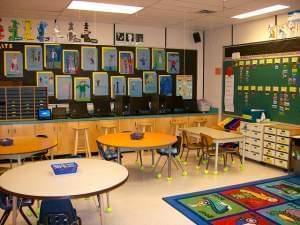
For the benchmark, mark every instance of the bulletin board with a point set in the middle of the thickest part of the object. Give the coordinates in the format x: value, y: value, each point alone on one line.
x: 267, y: 76
x: 187, y: 64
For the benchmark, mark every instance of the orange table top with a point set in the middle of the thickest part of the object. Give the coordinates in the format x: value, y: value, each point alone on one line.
x: 150, y: 140
x: 25, y: 145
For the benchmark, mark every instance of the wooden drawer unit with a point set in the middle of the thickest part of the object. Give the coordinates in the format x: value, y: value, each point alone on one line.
x: 270, y: 137
x: 256, y: 149
x: 282, y: 148
x: 269, y: 152
x: 269, y: 160
x: 255, y: 127
x: 270, y: 145
x: 281, y: 163
x: 255, y: 134
x: 255, y: 156
x: 283, y: 140
x: 270, y: 130
x: 284, y: 133
x: 282, y: 155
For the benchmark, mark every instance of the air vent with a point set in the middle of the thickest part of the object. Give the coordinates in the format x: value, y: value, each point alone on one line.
x: 206, y: 11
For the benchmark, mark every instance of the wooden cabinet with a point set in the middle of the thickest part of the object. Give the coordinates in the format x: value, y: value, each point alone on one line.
x: 16, y: 130
x: 163, y: 124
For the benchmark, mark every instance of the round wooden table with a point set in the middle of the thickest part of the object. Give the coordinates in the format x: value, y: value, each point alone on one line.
x: 151, y: 140
x: 93, y: 177
x: 24, y: 147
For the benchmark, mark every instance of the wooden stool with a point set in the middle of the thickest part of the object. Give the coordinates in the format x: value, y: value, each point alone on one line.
x: 200, y: 122
x: 176, y: 125
x: 109, y: 127
x: 86, y: 147
x: 144, y: 126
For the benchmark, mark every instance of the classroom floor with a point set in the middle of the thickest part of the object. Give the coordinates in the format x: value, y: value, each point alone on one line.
x: 139, y: 200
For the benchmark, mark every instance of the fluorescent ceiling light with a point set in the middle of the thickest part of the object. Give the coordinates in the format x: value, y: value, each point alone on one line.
x: 261, y: 11
x: 103, y: 7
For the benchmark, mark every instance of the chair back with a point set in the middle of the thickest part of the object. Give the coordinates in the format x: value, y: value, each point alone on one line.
x: 101, y: 149
x: 177, y: 144
x: 186, y: 139
x: 207, y: 141
x: 57, y: 212
x: 4, y: 201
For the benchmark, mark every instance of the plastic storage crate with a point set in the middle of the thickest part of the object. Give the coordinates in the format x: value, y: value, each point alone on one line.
x: 64, y: 168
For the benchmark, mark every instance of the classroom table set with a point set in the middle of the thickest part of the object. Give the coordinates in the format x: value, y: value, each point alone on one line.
x: 95, y: 176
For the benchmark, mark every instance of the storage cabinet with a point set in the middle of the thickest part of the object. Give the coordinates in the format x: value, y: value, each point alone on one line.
x: 277, y: 144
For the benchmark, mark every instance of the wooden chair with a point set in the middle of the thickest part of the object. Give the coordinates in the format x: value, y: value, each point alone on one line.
x: 176, y: 125
x: 209, y: 152
x: 200, y: 122
x: 188, y: 145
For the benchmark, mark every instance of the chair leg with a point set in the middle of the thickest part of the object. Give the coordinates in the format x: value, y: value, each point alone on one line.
x: 181, y: 154
x: 179, y: 164
x: 174, y: 162
x: 232, y: 159
x: 169, y: 168
x: 156, y: 164
x: 33, y: 212
x: 141, y: 159
x: 98, y: 199
x: 200, y: 159
x: 4, y: 217
x: 24, y: 216
x: 207, y: 164
x: 153, y: 157
x: 163, y: 166
x: 187, y: 155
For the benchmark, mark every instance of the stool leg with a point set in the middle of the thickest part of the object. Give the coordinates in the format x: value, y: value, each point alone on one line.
x: 76, y: 142
x: 88, y: 151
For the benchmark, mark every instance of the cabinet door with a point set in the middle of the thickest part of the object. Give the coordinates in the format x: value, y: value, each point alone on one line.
x: 22, y: 130
x: 127, y: 125
x: 66, y: 138
x: 163, y: 125
x: 92, y: 134
x: 48, y: 129
x: 6, y: 131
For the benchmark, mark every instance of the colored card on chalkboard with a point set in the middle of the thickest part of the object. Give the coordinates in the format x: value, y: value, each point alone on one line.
x: 89, y: 58
x: 52, y: 56
x: 165, y: 85
x: 82, y: 89
x: 117, y: 86
x: 63, y: 87
x: 135, y: 87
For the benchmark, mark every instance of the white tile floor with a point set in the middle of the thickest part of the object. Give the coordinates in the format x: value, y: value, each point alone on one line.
x: 139, y: 200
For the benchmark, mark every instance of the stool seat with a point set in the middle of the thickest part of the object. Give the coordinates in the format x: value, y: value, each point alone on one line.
x: 176, y: 124
x: 200, y: 122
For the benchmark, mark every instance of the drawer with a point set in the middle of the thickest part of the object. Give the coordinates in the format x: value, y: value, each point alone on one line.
x: 255, y: 127
x: 285, y: 133
x: 253, y: 155
x: 269, y: 137
x: 248, y: 140
x: 283, y: 140
x: 268, y: 160
x: 270, y: 130
x: 269, y: 145
x: 256, y: 142
x: 269, y: 152
x: 282, y: 155
x: 255, y: 134
x: 282, y: 148
x: 256, y: 149
x: 281, y: 163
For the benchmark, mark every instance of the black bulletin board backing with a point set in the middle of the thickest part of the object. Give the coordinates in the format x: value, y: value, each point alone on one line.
x: 266, y: 77
x: 188, y: 59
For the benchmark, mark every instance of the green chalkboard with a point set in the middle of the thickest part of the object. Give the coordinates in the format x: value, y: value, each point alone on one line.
x: 271, y: 83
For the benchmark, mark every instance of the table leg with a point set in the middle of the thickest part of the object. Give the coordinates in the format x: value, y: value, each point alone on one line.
x: 216, y: 158
x: 19, y: 161
x: 14, y: 213
x: 101, y: 208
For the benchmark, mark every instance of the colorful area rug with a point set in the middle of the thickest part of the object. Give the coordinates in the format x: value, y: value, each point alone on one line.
x: 266, y: 202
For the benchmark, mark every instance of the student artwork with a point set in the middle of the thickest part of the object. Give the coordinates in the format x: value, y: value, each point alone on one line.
x: 28, y: 36
x: 126, y: 62
x: 46, y: 79
x: 41, y: 29
x: 71, y: 35
x: 142, y: 58
x: 109, y: 59
x: 165, y: 85
x: 158, y: 59
x: 100, y: 83
x: 184, y: 86
x: 13, y: 30
x: 33, y: 57
x: 86, y: 34
x: 135, y: 87
x: 173, y: 60
x: 149, y: 82
x: 70, y: 61
x: 82, y: 89
x: 63, y: 87
x: 1, y: 31
x: 13, y: 64
x: 117, y: 86
x: 89, y: 58
x: 52, y: 56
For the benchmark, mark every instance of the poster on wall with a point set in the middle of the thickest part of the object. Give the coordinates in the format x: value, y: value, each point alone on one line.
x: 13, y: 64
x: 82, y: 89
x: 89, y: 58
x: 63, y: 87
x: 135, y: 87
x: 165, y: 85
x: 184, y: 86
x: 46, y: 79
x: 142, y: 61
x: 173, y: 60
x: 33, y: 57
x: 126, y: 62
x: 52, y: 56
x: 71, y: 61
x: 117, y: 86
x: 229, y: 90
x: 109, y: 59
x: 158, y: 59
x: 149, y: 82
x: 100, y: 83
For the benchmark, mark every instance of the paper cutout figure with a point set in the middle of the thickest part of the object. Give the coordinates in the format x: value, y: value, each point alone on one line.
x: 117, y: 86
x: 86, y: 34
x: 41, y: 29
x: 13, y: 30
x: 126, y: 62
x: 109, y: 58
x: 70, y: 61
x: 33, y: 57
x: 71, y: 34
x: 52, y: 56
x: 173, y: 62
x: 89, y: 58
x: 100, y: 83
x: 63, y: 87
x: 13, y: 64
x: 135, y: 86
x: 142, y: 58
x: 28, y: 36
x: 46, y: 79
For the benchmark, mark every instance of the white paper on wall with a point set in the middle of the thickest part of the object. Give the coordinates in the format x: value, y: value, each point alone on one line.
x: 229, y: 93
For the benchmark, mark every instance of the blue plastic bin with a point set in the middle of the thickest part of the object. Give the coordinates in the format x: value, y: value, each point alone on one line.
x: 64, y: 168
